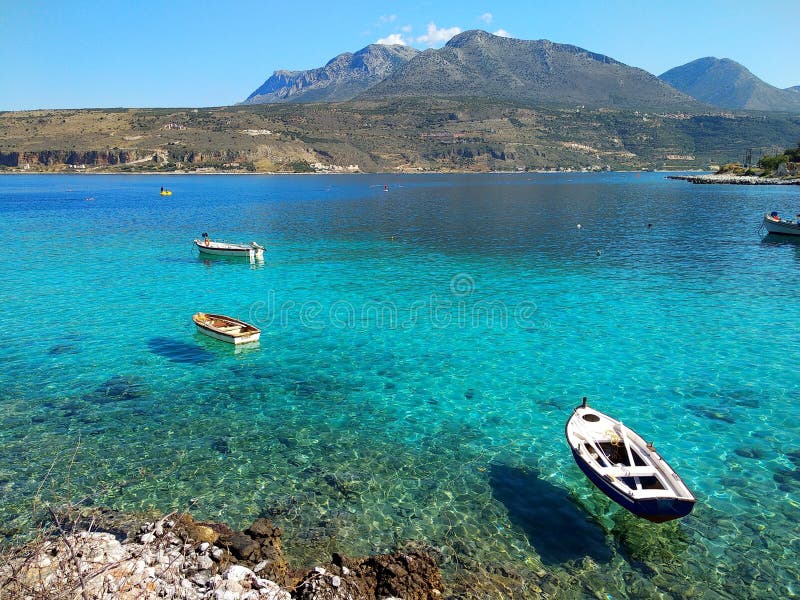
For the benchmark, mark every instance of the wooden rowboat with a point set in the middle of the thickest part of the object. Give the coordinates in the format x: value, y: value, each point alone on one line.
x: 225, y: 328
x: 625, y: 467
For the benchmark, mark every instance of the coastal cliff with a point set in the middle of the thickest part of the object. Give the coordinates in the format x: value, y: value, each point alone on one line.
x: 388, y: 135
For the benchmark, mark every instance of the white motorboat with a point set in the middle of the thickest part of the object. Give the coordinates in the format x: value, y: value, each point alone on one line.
x: 253, y: 251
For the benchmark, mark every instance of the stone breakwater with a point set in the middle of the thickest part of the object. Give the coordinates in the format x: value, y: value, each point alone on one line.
x: 736, y: 179
x: 176, y: 557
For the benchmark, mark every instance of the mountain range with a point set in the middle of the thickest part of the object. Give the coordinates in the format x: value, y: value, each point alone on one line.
x: 727, y: 84
x: 479, y: 64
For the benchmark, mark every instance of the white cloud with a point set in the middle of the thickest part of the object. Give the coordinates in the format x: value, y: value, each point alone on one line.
x: 486, y: 18
x: 502, y: 33
x: 436, y: 35
x: 392, y: 39
x: 388, y: 18
x: 406, y: 28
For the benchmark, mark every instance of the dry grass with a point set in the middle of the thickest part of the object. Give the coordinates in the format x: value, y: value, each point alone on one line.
x: 74, y: 551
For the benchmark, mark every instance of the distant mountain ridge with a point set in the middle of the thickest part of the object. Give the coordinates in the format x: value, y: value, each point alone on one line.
x: 477, y: 63
x: 727, y: 84
x: 342, y: 78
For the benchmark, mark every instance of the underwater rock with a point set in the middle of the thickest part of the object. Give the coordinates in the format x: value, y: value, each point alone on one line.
x: 749, y: 453
x: 344, y: 484
x: 794, y: 456
x: 117, y: 389
x: 221, y: 445
x: 287, y: 441
x: 63, y: 349
x: 722, y: 414
x: 788, y: 480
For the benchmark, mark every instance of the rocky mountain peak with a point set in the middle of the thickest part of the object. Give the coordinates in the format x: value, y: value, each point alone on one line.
x: 342, y: 78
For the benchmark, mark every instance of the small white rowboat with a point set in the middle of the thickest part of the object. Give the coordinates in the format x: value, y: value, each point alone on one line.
x: 625, y: 467
x: 225, y: 328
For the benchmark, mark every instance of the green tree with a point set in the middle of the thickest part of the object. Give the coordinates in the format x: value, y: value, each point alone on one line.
x: 770, y: 163
x: 793, y: 154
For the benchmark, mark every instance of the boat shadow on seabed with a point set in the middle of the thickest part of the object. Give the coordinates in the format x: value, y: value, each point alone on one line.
x: 551, y: 521
x: 178, y: 351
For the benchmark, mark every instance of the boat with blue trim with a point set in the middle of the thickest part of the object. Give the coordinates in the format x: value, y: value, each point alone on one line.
x: 625, y: 467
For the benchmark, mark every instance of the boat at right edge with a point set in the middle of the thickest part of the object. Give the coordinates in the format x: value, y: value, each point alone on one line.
x: 774, y: 224
x: 626, y: 468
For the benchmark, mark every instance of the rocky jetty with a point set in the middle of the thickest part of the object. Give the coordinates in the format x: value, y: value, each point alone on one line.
x: 727, y: 178
x: 177, y: 557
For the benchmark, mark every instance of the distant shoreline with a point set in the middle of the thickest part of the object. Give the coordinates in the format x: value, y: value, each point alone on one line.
x: 387, y: 173
x: 736, y: 179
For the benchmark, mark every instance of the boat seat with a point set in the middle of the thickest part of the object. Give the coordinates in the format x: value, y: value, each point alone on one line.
x: 649, y: 494
x: 630, y: 471
x: 230, y: 328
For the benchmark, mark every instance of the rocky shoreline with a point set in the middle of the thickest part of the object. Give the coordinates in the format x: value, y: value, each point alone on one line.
x: 736, y: 179
x: 106, y: 556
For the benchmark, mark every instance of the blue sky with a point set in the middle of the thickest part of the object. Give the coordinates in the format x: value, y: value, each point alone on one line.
x: 196, y: 53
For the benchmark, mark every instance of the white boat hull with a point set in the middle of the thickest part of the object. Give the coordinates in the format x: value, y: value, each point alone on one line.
x: 230, y: 339
x: 253, y: 252
x: 781, y: 226
x: 226, y: 329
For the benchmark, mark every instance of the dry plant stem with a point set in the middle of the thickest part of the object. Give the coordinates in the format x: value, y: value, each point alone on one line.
x: 73, y: 556
x: 71, y: 464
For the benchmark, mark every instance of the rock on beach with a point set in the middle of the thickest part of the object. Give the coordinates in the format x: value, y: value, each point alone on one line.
x: 163, y: 559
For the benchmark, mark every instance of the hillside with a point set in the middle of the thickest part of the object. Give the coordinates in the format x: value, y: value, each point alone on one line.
x: 343, y: 78
x: 475, y: 135
x: 477, y: 63
x: 727, y: 84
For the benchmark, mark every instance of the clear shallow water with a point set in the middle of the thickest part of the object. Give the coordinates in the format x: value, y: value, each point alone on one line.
x: 422, y: 350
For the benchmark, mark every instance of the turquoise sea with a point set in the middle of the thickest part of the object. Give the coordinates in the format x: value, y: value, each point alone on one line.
x: 422, y: 349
